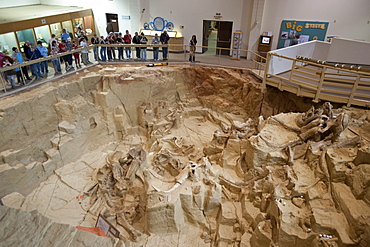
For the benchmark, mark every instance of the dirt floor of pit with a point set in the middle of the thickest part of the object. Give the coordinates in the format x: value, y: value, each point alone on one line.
x: 163, y: 158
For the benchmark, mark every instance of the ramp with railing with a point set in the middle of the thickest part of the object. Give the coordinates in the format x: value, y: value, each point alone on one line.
x: 321, y: 81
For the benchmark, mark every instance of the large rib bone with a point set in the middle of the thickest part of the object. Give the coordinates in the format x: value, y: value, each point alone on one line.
x: 179, y: 179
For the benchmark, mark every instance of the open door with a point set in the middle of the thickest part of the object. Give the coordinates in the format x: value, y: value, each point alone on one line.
x: 113, y: 18
x: 224, y: 36
x: 206, y: 33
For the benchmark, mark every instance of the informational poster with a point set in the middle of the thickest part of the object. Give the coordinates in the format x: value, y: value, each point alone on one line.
x: 297, y: 32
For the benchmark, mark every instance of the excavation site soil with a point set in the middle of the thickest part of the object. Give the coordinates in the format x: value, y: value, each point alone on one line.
x: 180, y: 155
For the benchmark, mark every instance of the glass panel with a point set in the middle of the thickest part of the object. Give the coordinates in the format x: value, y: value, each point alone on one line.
x: 7, y: 42
x: 56, y: 29
x: 43, y: 34
x: 25, y: 35
x: 77, y: 26
x: 68, y: 26
x: 89, y: 24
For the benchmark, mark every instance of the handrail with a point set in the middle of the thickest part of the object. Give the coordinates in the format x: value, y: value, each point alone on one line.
x: 336, y: 65
x: 116, y: 45
x: 348, y: 85
x: 258, y: 60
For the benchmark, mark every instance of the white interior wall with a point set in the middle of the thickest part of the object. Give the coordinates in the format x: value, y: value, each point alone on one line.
x: 191, y: 14
x: 348, y: 19
x: 16, y: 3
x: 100, y: 8
x: 321, y: 51
x: 336, y: 51
x: 349, y: 51
x: 245, y: 24
x: 256, y: 24
x: 279, y: 65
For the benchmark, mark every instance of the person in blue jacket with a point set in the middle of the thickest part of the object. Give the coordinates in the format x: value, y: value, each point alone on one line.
x: 18, y: 55
x: 34, y: 54
x: 44, y: 53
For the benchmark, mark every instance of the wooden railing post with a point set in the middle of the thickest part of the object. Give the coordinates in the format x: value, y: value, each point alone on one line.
x: 3, y: 81
x: 292, y: 69
x: 268, y: 58
x: 354, y: 88
x: 322, y: 78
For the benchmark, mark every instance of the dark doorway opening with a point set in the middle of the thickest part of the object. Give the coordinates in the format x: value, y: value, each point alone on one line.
x: 217, y: 34
x: 112, y: 19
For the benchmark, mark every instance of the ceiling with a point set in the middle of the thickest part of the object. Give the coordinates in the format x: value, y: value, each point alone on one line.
x: 21, y: 13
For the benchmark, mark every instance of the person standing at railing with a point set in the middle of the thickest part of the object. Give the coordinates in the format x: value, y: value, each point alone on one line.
x: 155, y: 41
x: 18, y: 72
x: 51, y: 41
x: 111, y: 40
x: 44, y: 53
x: 18, y: 55
x: 143, y: 41
x: 55, y: 61
x: 63, y: 48
x: 103, y: 50
x: 193, y: 43
x: 69, y: 56
x: 164, y: 40
x: 83, y: 35
x: 120, y: 49
x: 35, y: 54
x: 95, y: 41
x: 9, y: 73
x: 76, y: 55
x: 85, y: 52
x: 26, y: 48
x: 136, y: 40
x: 55, y: 47
x: 64, y: 34
x: 127, y: 39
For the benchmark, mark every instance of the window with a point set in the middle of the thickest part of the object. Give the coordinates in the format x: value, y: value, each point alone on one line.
x: 43, y: 34
x: 7, y: 42
x: 68, y: 26
x: 89, y: 24
x: 25, y: 35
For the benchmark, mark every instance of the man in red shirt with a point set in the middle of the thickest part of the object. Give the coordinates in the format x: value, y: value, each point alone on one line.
x: 63, y: 48
x: 127, y: 39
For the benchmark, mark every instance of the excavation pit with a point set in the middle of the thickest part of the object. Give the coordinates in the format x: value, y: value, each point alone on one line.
x: 178, y: 151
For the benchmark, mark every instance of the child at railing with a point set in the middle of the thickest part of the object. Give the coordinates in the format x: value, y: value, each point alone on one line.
x: 55, y: 61
x: 76, y: 55
x: 9, y: 73
x: 18, y: 72
x: 85, y: 52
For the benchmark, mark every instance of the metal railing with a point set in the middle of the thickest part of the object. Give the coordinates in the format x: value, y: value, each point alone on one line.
x: 321, y: 81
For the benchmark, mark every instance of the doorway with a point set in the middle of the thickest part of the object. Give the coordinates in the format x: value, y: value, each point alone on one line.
x: 113, y: 20
x: 217, y: 34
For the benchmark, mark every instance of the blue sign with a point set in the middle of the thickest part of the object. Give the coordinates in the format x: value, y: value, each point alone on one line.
x: 159, y: 24
x: 296, y: 32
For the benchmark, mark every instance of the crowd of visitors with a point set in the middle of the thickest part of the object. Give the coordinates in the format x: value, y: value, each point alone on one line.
x: 65, y: 43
